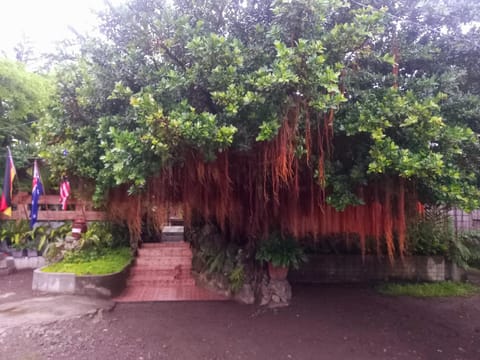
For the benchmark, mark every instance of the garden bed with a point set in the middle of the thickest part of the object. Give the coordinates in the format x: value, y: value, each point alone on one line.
x: 105, y: 277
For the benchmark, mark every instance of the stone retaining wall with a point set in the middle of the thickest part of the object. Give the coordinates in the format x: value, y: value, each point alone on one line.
x: 105, y: 286
x: 9, y: 264
x: 352, y: 268
x: 33, y: 262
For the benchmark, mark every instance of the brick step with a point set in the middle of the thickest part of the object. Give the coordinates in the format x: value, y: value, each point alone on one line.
x: 162, y: 272
x: 149, y: 266
x: 170, y: 293
x: 162, y: 276
x: 159, y: 273
x: 159, y: 245
x: 160, y: 283
x: 164, y: 252
x: 163, y: 263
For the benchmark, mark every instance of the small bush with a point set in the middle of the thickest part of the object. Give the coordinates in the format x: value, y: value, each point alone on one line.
x: 92, y: 262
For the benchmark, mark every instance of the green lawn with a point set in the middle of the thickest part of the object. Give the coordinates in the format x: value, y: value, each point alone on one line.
x: 85, y: 264
x: 438, y: 289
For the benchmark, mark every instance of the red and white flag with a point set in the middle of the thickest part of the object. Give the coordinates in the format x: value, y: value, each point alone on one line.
x: 64, y: 192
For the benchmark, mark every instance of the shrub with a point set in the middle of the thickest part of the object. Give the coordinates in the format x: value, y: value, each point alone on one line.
x: 104, y: 235
x: 431, y: 234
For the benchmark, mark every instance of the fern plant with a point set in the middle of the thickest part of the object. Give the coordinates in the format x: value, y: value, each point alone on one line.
x: 465, y: 249
x: 281, y: 252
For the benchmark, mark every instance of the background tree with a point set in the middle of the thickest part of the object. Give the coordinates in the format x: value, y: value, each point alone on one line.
x: 24, y: 100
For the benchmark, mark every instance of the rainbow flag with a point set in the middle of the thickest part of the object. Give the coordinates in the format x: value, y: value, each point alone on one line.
x: 10, y: 172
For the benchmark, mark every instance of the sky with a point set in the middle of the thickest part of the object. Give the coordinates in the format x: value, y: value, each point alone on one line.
x: 44, y: 22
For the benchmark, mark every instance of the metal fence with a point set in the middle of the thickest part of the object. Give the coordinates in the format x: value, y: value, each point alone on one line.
x: 463, y: 221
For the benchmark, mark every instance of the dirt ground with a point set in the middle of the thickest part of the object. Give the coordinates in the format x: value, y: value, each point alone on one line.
x: 323, y: 322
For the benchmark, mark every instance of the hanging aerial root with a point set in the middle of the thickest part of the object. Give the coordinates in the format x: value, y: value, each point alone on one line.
x: 401, y: 222
x: 388, y: 221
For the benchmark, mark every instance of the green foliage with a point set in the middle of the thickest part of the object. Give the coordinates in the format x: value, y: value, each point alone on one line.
x: 281, y: 252
x: 432, y: 234
x: 22, y: 237
x: 16, y: 232
x: 225, y: 260
x: 48, y: 235
x: 24, y: 97
x: 168, y: 79
x: 438, y: 289
x: 465, y: 249
x: 237, y: 278
x: 103, y: 235
x: 204, y: 86
x: 91, y: 262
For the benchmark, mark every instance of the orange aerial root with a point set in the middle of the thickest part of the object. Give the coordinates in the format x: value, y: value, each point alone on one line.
x: 272, y: 187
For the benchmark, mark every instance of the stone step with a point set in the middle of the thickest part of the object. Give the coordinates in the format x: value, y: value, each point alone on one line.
x: 172, y: 233
x: 176, y: 221
x: 168, y: 293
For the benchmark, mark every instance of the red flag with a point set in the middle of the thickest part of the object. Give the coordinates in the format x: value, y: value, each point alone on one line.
x: 10, y: 172
x: 64, y: 192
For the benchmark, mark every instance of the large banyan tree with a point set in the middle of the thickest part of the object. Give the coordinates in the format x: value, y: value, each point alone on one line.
x: 310, y: 117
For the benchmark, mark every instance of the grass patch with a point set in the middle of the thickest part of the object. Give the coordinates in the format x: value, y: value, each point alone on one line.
x: 86, y: 263
x: 438, y: 289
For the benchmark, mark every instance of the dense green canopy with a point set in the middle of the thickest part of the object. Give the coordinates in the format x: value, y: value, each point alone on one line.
x: 396, y: 83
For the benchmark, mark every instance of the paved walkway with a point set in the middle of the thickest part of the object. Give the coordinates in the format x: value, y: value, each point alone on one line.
x: 46, y: 309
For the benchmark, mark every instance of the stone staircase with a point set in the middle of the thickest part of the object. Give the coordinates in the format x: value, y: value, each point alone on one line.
x: 162, y: 272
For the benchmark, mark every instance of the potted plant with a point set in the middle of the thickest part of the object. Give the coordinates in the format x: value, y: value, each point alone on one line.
x: 31, y: 248
x: 281, y: 253
x: 20, y: 236
x: 17, y: 250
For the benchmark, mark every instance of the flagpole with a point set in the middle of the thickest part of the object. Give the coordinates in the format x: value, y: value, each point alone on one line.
x: 7, y: 189
x: 15, y: 179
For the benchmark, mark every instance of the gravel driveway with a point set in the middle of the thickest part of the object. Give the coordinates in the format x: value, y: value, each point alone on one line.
x: 323, y: 322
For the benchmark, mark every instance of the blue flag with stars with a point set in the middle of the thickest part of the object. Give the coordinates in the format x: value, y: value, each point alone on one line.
x: 37, y: 190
